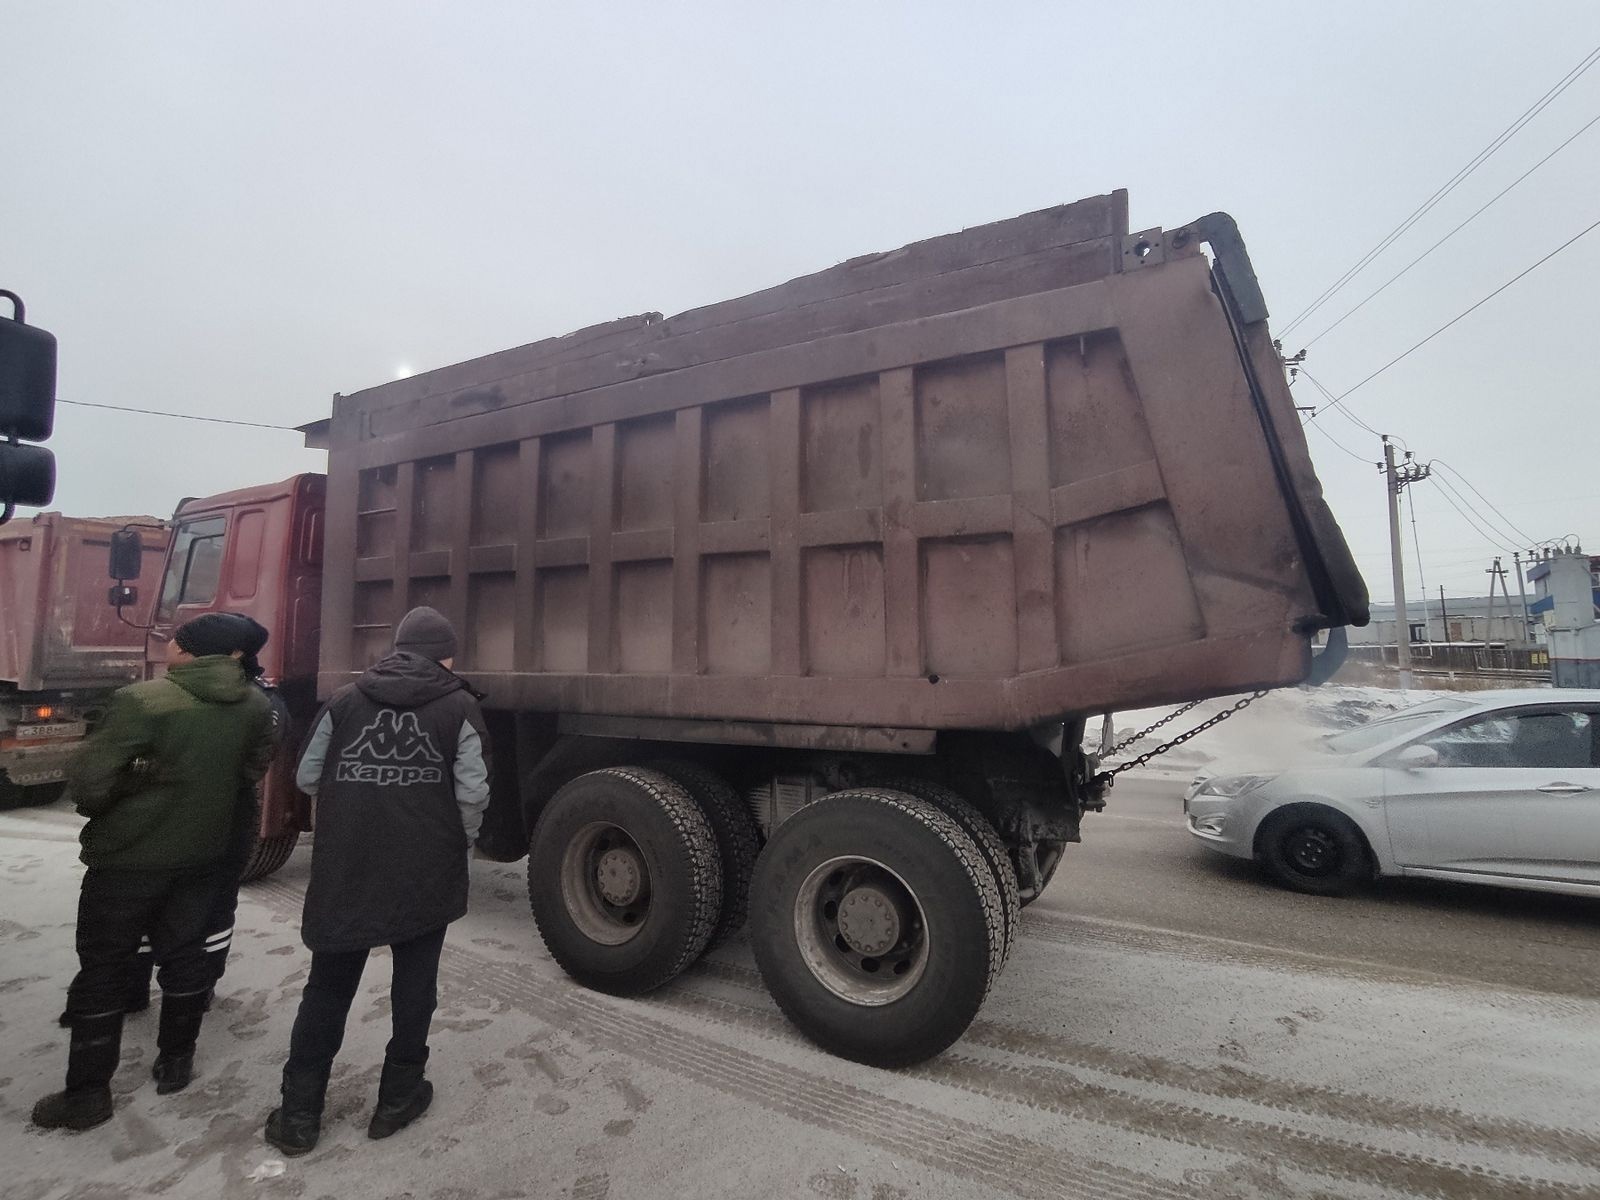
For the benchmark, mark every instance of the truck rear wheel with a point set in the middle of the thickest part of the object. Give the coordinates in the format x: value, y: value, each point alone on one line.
x: 624, y: 879
x: 38, y: 794
x: 976, y: 826
x: 267, y: 855
x: 877, y: 925
x: 738, y: 840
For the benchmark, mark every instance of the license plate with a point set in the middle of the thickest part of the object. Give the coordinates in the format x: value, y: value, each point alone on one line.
x: 36, y: 778
x: 45, y: 733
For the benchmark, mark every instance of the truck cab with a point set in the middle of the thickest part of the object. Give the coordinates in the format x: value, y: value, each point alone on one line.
x: 256, y: 551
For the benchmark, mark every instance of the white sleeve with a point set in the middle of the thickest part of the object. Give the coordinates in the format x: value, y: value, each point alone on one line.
x: 472, y: 780
x: 308, y: 778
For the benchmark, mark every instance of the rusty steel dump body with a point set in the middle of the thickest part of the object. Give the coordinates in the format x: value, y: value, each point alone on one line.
x: 56, y: 630
x: 63, y: 649
x: 1037, y: 468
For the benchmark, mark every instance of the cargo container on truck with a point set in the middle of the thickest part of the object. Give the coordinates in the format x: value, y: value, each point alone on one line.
x: 794, y: 607
x: 63, y: 650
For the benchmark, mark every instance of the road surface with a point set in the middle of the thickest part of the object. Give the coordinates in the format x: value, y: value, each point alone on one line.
x: 1169, y: 1026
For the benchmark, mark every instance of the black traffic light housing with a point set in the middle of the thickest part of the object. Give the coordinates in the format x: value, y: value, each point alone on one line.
x: 27, y: 411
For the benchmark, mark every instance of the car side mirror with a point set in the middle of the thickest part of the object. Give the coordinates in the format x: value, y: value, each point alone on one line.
x: 1417, y: 758
x: 127, y: 555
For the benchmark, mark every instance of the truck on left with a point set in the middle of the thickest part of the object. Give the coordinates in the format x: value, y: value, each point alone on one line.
x: 63, y: 650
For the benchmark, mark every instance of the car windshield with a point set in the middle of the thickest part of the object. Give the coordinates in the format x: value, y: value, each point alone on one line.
x: 1375, y: 733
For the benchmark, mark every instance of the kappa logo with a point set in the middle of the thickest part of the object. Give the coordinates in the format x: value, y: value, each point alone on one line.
x: 393, y: 751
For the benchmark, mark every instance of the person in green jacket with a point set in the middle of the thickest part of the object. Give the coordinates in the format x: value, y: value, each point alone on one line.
x: 159, y: 780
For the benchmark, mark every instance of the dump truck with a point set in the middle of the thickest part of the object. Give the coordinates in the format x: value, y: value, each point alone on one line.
x: 791, y: 611
x: 63, y: 651
x: 257, y: 551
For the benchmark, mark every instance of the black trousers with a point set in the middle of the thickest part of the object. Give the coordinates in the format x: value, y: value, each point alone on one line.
x: 117, y: 909
x: 331, y: 988
x: 219, y: 922
x: 224, y: 905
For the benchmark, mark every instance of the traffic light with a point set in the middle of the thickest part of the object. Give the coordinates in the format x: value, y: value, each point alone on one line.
x: 27, y: 411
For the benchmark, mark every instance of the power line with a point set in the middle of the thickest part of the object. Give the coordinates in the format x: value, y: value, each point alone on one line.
x: 1455, y: 181
x: 1335, y: 403
x: 1517, y: 534
x: 1528, y: 271
x: 1498, y: 530
x: 152, y: 412
x: 1509, y: 524
x: 1393, y: 278
x: 1489, y: 538
x: 1342, y: 446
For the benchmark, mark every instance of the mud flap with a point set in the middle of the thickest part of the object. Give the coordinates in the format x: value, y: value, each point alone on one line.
x: 1324, y: 665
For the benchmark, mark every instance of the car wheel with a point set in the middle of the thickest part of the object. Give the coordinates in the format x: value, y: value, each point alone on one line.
x: 1315, y: 850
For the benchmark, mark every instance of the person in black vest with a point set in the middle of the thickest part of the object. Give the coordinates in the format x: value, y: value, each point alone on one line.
x: 397, y: 767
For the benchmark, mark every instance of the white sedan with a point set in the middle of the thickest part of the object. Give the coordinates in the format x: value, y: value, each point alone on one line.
x: 1500, y: 788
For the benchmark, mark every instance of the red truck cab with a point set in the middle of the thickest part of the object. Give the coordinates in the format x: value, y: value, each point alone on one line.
x: 256, y: 551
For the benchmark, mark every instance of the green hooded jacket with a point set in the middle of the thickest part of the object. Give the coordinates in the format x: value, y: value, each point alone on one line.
x: 160, y: 777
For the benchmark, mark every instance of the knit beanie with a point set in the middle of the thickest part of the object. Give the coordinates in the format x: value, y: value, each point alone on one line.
x: 425, y: 631
x: 217, y: 633
x: 253, y: 637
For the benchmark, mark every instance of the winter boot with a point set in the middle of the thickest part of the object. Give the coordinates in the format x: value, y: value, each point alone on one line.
x: 91, y: 1062
x: 295, y: 1125
x: 403, y: 1096
x: 181, y: 1015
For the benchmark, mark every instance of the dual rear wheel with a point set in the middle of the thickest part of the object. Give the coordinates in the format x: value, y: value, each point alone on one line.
x: 879, y: 918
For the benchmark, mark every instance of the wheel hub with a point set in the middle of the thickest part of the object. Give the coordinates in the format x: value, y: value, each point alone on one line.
x: 869, y: 920
x: 619, y: 875
x: 1313, y: 851
x: 861, y: 930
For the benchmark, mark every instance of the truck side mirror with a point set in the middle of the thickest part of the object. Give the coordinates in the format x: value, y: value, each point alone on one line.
x: 127, y: 554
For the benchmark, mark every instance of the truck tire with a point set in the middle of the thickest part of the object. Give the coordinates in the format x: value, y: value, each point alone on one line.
x: 624, y: 879
x: 976, y: 826
x: 267, y: 855
x: 34, y: 795
x: 738, y: 840
x: 905, y: 978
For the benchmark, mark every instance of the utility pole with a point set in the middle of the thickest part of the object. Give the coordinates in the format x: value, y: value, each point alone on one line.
x: 1444, y: 618
x: 1497, y: 574
x: 1522, y: 590
x: 1488, y: 632
x: 1395, y: 478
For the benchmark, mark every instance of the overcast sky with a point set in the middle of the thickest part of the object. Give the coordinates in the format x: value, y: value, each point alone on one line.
x: 239, y: 209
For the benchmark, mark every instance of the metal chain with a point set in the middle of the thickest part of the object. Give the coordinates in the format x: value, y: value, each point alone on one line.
x: 1144, y: 733
x: 1237, y: 707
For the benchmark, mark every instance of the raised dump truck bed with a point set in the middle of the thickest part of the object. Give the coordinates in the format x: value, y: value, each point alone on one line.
x: 1036, y: 468
x: 842, y: 565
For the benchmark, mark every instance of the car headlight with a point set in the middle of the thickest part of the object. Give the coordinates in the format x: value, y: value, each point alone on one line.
x: 1233, y: 785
